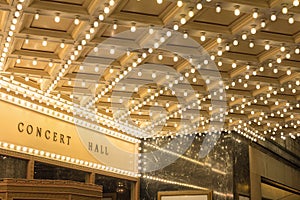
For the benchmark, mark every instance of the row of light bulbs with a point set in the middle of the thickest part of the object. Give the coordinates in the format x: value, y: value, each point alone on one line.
x: 12, y: 28
x: 65, y: 159
x: 58, y: 102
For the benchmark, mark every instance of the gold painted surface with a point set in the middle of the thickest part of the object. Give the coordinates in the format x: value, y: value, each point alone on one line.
x: 120, y: 153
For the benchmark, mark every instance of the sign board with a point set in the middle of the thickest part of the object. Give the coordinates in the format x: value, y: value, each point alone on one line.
x: 25, y: 127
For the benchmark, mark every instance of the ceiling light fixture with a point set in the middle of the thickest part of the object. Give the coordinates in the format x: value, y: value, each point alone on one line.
x: 244, y: 36
x: 267, y: 46
x: 199, y: 6
x: 133, y: 27
x: 253, y: 29
x: 202, y: 37
x: 179, y: 3
x: 106, y: 8
x: 218, y: 8
x: 159, y: 1
x: 57, y: 18
x: 273, y: 17
x: 284, y: 9
x: 182, y: 20
x: 191, y: 13
x: 237, y: 11
x: 296, y: 3
x: 44, y: 43
x: 37, y: 15
x: 76, y: 20
x: 263, y: 23
x: 291, y: 19
x: 255, y: 13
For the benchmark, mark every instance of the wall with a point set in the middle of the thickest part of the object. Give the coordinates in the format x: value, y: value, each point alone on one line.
x: 216, y: 172
x: 263, y: 165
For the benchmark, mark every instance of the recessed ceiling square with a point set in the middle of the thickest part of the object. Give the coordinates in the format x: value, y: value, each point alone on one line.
x: 209, y: 15
x: 63, y: 25
x: 145, y: 7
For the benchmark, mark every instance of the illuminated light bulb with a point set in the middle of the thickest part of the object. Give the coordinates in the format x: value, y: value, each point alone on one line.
x: 44, y: 43
x: 12, y: 27
x: 87, y: 36
x: 151, y: 30
x: 92, y: 30
x: 37, y: 16
x: 237, y: 11
x: 275, y: 70
x: 179, y: 3
x: 175, y: 58
x: 96, y: 24
x: 160, y: 57
x: 185, y: 35
x: 263, y: 24
x: 112, y: 51
x: 233, y: 65
x: 282, y: 48
x: 257, y: 86
x: 18, y: 61
x: 57, y: 18
x: 34, y: 62
x: 202, y: 37
x: 62, y: 45
x: 261, y: 69
x: 235, y: 42
x: 296, y: 3
x: 175, y: 27
x: 297, y: 50
x: 245, y: 85
x: 278, y: 60
x: 106, y: 9
x: 26, y: 78
x: 219, y: 39
x: 284, y: 10
x: 199, y: 6
x: 288, y: 72
x: 19, y: 6
x: 220, y: 63
x: 191, y: 13
x: 212, y: 57
x: 273, y: 17
x: 220, y: 52
x: 76, y: 20
x: 112, y: 2
x: 291, y: 19
x: 133, y: 27
x: 159, y: 1
x: 244, y: 36
x: 50, y: 64
x: 227, y: 47
x: 288, y: 56
x: 251, y: 44
x: 101, y: 17
x: 218, y: 8
x: 253, y: 30
x: 267, y: 46
x: 14, y: 21
x: 255, y: 13
x: 17, y: 14
x: 182, y: 20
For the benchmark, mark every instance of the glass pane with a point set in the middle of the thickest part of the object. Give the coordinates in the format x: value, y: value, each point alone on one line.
x: 52, y: 172
x: 11, y: 167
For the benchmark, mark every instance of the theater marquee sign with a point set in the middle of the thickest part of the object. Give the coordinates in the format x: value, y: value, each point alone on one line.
x: 24, y: 127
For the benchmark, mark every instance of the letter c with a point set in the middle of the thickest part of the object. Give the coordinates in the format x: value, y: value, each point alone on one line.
x: 19, y: 127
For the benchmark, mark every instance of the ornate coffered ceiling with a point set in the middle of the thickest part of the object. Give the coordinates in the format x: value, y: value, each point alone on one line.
x: 51, y: 48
